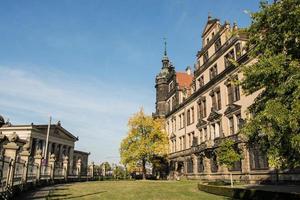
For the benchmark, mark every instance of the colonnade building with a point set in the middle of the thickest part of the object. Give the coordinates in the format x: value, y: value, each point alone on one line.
x: 61, y: 142
x: 204, y: 106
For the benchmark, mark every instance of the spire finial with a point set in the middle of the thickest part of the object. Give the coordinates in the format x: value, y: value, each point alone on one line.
x: 165, y: 43
x: 209, y: 16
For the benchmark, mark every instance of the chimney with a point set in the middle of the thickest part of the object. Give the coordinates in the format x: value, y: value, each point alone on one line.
x: 188, y: 70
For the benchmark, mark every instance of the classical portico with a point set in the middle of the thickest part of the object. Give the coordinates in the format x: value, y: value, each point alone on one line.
x: 61, y: 142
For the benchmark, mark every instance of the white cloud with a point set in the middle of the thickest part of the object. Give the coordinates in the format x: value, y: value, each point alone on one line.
x: 97, y: 112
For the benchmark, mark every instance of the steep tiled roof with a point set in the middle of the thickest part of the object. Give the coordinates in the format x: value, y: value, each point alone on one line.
x: 183, y: 79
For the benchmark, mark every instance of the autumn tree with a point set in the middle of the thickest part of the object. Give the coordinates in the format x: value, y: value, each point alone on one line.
x: 274, y: 40
x: 146, y: 140
x: 228, y: 155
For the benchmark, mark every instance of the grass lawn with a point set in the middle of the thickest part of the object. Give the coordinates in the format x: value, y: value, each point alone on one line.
x: 140, y: 190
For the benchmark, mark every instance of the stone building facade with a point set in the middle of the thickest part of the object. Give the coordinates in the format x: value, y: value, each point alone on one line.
x: 205, y: 106
x: 61, y: 142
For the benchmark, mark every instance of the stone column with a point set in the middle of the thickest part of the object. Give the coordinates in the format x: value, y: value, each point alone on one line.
x: 60, y: 152
x: 245, y: 163
x: 66, y: 167
x: 71, y: 151
x: 10, y: 150
x: 195, y: 164
x: 206, y: 163
x: 52, y: 165
x: 38, y: 160
x: 49, y: 150
x: 24, y: 155
x: 78, y: 168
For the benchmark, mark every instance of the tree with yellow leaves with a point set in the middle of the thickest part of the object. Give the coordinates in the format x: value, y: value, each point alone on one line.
x: 145, y: 141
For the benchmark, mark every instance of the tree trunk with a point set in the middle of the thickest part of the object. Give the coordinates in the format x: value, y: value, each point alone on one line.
x: 144, y: 169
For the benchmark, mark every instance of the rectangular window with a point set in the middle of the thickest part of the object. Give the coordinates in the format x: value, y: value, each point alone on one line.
x: 184, y: 142
x: 214, y: 103
x: 192, y: 113
x: 218, y: 100
x: 202, y: 109
x: 213, y: 72
x: 231, y: 126
x: 188, y: 117
x: 201, y: 81
x: 236, y: 93
x: 228, y: 57
x: 217, y: 44
x: 229, y: 91
x: 205, y: 57
x: 238, y: 120
x: 238, y: 50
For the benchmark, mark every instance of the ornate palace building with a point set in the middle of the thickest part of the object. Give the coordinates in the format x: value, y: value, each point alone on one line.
x: 203, y: 106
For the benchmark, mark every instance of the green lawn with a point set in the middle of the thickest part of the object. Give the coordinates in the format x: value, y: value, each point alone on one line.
x: 140, y: 190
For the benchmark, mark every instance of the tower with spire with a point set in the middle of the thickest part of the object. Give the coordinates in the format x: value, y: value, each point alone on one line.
x: 162, y: 84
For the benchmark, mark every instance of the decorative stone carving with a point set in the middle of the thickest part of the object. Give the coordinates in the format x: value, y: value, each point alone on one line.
x: 38, y: 152
x: 232, y: 108
x: 201, y: 123
x: 13, y: 137
x: 214, y: 115
x: 26, y: 146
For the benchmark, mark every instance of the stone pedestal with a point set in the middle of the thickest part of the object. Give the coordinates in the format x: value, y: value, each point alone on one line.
x: 10, y: 150
x: 195, y: 164
x: 66, y: 167
x: 207, y: 169
x: 52, y: 165
x: 38, y: 160
x: 24, y: 155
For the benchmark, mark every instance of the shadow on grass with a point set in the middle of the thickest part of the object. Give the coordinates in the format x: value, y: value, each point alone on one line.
x: 68, y: 196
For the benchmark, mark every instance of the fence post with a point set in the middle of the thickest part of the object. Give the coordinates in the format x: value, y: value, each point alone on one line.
x: 38, y: 160
x: 65, y: 167
x: 24, y: 155
x: 78, y: 167
x: 10, y: 150
x: 52, y: 163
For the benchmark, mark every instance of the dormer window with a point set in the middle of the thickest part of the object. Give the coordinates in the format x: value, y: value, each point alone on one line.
x: 205, y: 57
x: 218, y: 44
x: 238, y: 50
x: 201, y: 81
x: 213, y: 72
x: 229, y: 56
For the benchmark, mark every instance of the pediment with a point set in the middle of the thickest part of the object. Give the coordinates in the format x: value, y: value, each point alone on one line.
x: 201, y: 123
x: 172, y: 136
x: 210, y: 23
x: 214, y: 115
x: 232, y: 108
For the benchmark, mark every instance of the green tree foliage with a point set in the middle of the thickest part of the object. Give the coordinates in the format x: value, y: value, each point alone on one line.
x: 227, y: 153
x: 146, y: 139
x: 107, y: 167
x: 119, y: 172
x: 274, y: 40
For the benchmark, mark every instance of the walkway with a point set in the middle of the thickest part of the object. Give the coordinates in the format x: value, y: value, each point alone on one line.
x: 38, y: 193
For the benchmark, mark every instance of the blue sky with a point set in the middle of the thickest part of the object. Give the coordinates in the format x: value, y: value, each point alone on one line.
x: 92, y: 63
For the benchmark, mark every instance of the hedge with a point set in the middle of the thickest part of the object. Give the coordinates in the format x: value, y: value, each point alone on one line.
x: 243, y: 193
